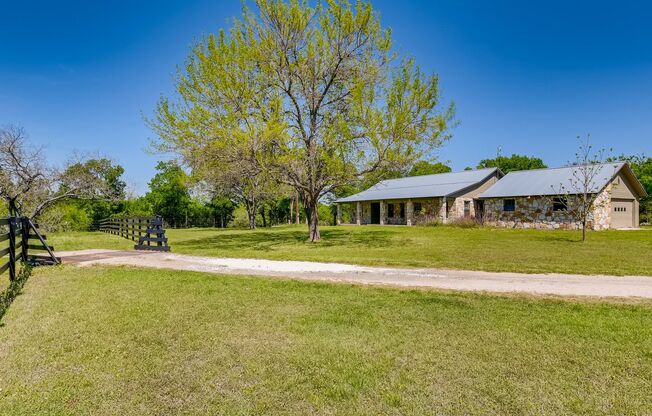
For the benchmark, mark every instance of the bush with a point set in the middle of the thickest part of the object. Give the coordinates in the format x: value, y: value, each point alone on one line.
x: 326, y: 214
x: 464, y: 223
x: 430, y: 223
x: 65, y: 217
x: 240, y: 218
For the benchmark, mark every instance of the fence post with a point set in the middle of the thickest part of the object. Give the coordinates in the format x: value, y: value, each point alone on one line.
x: 24, y: 224
x: 12, y: 248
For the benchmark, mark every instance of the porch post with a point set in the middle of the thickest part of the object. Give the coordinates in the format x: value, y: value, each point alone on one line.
x: 358, y: 213
x: 339, y: 214
x: 383, y: 212
x: 409, y: 212
x: 443, y: 210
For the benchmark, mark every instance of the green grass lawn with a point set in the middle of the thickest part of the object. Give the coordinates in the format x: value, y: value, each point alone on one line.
x: 491, y: 249
x: 121, y: 341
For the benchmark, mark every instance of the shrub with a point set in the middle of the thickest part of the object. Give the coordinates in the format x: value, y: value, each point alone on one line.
x: 65, y: 217
x: 430, y: 223
x: 464, y: 223
x: 240, y: 218
x: 326, y: 214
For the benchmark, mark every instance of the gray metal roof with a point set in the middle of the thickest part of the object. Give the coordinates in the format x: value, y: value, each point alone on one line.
x: 426, y: 186
x: 554, y: 181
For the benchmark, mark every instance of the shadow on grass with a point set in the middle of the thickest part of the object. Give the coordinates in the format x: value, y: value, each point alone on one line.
x: 267, y: 240
x: 8, y: 296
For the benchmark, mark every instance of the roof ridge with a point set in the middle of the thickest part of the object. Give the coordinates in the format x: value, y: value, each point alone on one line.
x: 547, y: 181
x: 567, y: 167
x: 422, y: 185
x: 436, y: 174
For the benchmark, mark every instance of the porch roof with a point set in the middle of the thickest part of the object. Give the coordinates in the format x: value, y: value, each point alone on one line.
x: 426, y: 186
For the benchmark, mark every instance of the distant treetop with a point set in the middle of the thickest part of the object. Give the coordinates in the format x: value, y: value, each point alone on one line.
x: 513, y: 162
x: 423, y: 167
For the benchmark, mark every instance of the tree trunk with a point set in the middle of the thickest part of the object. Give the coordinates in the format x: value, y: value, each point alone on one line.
x: 584, y: 230
x: 296, y: 199
x: 262, y: 214
x: 312, y: 218
x: 252, y: 209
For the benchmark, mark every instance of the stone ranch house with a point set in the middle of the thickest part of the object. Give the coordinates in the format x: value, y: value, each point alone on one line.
x: 443, y: 197
x: 542, y: 198
x: 550, y: 198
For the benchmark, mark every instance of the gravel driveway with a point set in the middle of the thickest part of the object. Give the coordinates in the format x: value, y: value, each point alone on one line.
x: 551, y: 284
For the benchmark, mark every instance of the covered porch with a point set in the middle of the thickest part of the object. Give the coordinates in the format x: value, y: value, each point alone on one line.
x: 395, y: 212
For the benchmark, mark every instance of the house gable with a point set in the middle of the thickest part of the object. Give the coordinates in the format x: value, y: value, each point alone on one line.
x: 622, y: 187
x: 476, y: 189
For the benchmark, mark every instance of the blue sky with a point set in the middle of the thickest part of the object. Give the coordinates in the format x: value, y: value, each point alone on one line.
x: 526, y: 76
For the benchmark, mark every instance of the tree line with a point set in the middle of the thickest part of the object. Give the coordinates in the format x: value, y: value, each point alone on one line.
x: 87, y: 190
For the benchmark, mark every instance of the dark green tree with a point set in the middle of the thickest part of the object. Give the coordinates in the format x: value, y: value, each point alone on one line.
x: 222, y: 208
x: 423, y: 167
x: 169, y: 194
x: 111, y: 175
x: 513, y: 162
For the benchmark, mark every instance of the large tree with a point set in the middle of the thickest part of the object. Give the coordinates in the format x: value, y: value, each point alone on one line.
x: 320, y: 92
x: 513, y: 162
x: 168, y: 192
x: 29, y: 186
x: 111, y: 175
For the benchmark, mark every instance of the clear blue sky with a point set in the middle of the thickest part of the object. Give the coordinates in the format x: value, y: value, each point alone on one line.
x: 526, y: 76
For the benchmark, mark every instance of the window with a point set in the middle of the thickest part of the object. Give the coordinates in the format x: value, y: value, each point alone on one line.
x: 509, y: 205
x: 402, y: 205
x: 467, y: 209
x: 559, y: 204
x: 417, y: 207
x: 620, y: 209
x: 390, y: 210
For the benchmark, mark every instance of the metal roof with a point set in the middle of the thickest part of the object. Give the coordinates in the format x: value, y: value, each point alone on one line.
x: 426, y: 186
x: 554, y: 181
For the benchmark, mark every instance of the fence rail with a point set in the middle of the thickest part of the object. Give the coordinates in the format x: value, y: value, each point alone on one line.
x: 144, y: 230
x: 17, y: 233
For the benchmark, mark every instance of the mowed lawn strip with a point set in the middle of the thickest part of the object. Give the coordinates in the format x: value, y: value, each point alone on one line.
x: 489, y: 249
x: 127, y: 341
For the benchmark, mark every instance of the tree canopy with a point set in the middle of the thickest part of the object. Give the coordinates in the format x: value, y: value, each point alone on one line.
x: 169, y: 195
x: 423, y: 167
x: 513, y: 162
x: 314, y: 97
x: 29, y: 186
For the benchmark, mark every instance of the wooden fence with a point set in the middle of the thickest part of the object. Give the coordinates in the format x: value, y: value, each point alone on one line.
x: 17, y: 233
x: 147, y: 231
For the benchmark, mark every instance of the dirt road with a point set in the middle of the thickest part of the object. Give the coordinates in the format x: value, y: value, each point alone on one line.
x: 552, y: 284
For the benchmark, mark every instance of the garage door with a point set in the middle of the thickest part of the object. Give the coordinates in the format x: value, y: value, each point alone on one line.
x: 622, y: 213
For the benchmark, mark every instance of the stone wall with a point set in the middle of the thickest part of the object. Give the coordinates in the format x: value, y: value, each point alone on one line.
x: 429, y: 213
x: 456, y: 208
x: 396, y: 219
x: 432, y: 211
x: 537, y: 212
x: 602, y: 210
